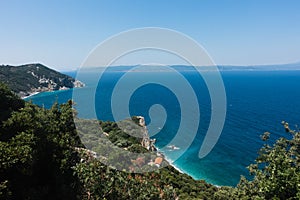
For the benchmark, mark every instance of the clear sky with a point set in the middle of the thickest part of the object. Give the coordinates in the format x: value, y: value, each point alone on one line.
x: 61, y: 33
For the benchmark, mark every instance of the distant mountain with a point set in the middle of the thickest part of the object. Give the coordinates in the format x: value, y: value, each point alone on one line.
x: 27, y: 79
x: 277, y: 67
x: 165, y: 68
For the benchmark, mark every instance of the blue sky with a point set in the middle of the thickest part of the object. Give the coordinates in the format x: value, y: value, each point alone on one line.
x: 61, y: 33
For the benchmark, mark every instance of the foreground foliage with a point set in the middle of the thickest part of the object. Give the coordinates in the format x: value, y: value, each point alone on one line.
x: 276, y: 172
x: 42, y: 157
x: 36, y: 151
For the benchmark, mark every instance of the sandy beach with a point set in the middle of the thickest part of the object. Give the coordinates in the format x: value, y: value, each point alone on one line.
x: 31, y: 94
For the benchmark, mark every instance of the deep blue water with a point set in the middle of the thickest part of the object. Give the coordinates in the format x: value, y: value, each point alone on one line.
x: 257, y: 101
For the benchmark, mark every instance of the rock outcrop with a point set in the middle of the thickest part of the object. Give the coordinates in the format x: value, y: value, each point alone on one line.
x: 146, y: 141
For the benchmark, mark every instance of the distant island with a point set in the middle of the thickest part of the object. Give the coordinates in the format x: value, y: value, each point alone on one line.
x: 29, y: 79
x: 189, y: 68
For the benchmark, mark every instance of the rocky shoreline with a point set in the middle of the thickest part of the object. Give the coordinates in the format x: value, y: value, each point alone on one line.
x: 35, y: 91
x: 149, y: 144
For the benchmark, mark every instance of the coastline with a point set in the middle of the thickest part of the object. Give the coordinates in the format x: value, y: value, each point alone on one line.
x: 142, y: 123
x: 171, y: 163
x: 149, y: 144
x: 30, y: 95
x: 46, y: 91
x: 77, y: 85
x: 174, y: 166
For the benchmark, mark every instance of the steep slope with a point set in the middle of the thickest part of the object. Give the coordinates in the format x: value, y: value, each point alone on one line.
x: 26, y: 79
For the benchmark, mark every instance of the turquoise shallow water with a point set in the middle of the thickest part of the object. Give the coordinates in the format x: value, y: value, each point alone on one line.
x: 257, y: 101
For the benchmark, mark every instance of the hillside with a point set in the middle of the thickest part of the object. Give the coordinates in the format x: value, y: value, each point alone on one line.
x: 30, y: 78
x: 43, y: 157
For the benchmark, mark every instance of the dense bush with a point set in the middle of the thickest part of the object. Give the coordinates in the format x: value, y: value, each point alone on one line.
x: 37, y: 152
x: 276, y: 172
x: 42, y: 157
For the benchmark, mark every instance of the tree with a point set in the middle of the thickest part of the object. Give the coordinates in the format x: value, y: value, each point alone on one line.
x: 276, y: 172
x: 37, y: 151
x: 9, y: 102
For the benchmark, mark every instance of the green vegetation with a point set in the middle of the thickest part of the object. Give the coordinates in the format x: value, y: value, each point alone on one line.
x: 29, y: 78
x: 276, y: 171
x: 101, y: 181
x: 43, y: 157
x: 36, y: 151
x: 9, y: 103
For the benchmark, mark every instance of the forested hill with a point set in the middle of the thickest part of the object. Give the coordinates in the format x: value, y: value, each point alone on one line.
x: 26, y: 79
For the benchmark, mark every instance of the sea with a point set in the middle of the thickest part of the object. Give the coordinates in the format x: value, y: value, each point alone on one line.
x: 256, y: 102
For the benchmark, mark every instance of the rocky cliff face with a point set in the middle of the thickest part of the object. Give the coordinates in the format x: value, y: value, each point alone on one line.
x: 26, y: 79
x: 146, y: 141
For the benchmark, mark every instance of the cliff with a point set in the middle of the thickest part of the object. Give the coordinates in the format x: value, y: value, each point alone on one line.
x: 146, y: 141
